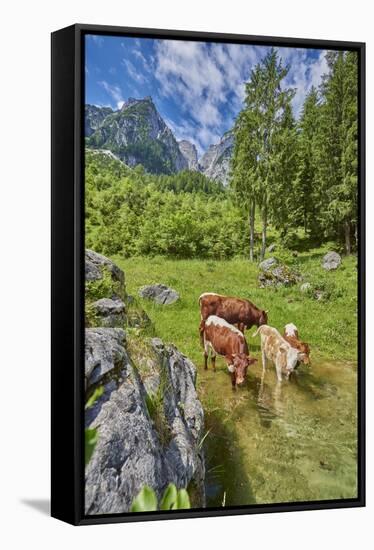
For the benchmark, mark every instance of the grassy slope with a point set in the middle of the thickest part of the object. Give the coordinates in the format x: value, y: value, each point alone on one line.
x: 329, y: 327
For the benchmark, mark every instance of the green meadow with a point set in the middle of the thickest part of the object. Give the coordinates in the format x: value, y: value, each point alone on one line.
x: 329, y: 325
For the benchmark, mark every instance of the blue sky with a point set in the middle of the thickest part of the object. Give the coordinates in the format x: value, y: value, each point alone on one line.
x: 197, y: 87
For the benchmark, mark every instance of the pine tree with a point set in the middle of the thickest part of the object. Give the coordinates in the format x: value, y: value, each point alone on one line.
x: 307, y: 195
x: 257, y: 152
x: 338, y: 168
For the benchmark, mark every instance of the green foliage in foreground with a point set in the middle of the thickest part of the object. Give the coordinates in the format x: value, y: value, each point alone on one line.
x: 172, y: 499
x: 329, y: 326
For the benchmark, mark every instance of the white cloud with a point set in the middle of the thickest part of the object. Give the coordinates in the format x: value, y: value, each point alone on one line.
x: 133, y: 72
x: 206, y: 80
x: 114, y: 92
x: 304, y: 73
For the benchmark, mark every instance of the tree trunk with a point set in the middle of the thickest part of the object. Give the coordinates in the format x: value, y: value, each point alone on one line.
x: 264, y: 227
x: 251, y: 228
x: 347, y: 233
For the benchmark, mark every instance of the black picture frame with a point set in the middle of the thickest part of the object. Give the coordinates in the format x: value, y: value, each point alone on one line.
x: 67, y: 407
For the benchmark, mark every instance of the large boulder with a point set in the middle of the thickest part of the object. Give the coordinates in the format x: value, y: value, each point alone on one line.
x: 331, y: 260
x: 268, y: 264
x: 109, y: 313
x: 159, y: 293
x: 104, y: 279
x: 104, y: 349
x: 148, y: 418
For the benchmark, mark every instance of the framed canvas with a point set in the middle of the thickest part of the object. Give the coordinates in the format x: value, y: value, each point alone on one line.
x: 208, y: 290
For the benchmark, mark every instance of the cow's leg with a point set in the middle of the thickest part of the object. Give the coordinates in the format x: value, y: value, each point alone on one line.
x: 213, y: 359
x: 278, y: 368
x: 201, y: 332
x: 206, y: 353
x: 233, y: 381
x: 263, y: 360
x: 214, y: 362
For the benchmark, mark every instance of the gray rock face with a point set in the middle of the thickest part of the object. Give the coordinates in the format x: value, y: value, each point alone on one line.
x: 104, y: 349
x: 268, y: 264
x: 331, y: 260
x: 94, y: 117
x: 161, y: 294
x: 189, y: 152
x: 215, y: 163
x: 94, y: 264
x: 110, y: 312
x: 137, y: 446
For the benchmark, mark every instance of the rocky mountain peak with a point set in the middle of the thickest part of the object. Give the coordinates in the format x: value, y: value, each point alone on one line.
x: 189, y: 152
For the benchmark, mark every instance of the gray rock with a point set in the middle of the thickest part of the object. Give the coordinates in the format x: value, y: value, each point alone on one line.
x: 272, y: 248
x: 134, y: 447
x: 159, y: 293
x: 104, y: 349
x: 305, y: 287
x: 331, y: 260
x: 95, y: 263
x: 268, y: 264
x: 280, y: 275
x: 111, y: 313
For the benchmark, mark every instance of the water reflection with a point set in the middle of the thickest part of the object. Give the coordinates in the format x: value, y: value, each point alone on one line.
x: 269, y: 402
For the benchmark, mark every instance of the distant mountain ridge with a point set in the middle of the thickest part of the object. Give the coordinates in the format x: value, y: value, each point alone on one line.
x: 137, y: 134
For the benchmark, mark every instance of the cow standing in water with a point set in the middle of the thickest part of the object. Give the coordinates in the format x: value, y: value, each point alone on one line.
x: 235, y: 311
x: 291, y: 335
x: 276, y: 349
x: 226, y: 340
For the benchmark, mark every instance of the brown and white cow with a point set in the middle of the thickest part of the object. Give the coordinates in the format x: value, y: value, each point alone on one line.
x: 235, y: 311
x: 291, y: 335
x: 275, y: 348
x: 226, y: 340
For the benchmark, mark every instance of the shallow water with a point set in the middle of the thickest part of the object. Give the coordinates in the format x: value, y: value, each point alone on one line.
x: 288, y: 442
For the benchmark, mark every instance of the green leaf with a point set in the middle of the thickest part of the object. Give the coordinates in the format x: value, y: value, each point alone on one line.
x: 169, y: 499
x: 183, y: 500
x: 145, y: 501
x: 95, y: 396
x: 90, y: 440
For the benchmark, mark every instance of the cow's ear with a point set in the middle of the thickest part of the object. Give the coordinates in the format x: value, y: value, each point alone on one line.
x: 229, y: 359
x: 251, y: 359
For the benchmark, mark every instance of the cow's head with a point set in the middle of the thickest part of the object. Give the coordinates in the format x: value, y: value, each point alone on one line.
x: 304, y: 353
x: 263, y: 318
x: 238, y: 366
